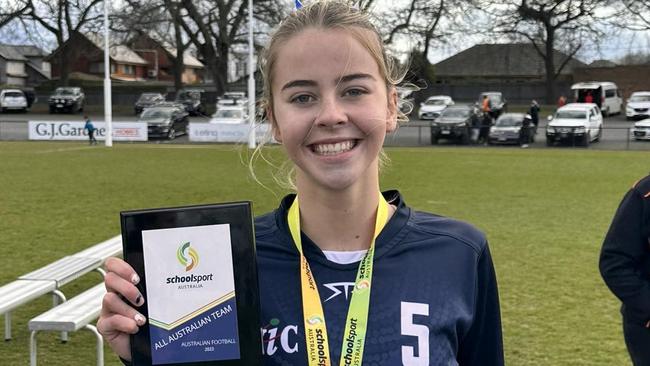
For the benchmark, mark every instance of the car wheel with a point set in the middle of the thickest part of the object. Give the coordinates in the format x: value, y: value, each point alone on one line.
x: 464, y: 139
x: 585, y: 140
x: 171, y: 134
x: 81, y: 108
x: 52, y: 110
x: 3, y: 110
x: 434, y: 140
x: 549, y: 141
x: 606, y: 112
x: 599, y: 134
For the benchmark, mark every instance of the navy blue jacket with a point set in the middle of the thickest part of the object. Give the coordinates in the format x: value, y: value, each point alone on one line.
x: 434, y: 297
x: 625, y: 255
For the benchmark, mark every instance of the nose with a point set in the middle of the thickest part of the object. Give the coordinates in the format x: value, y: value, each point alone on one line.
x: 332, y: 113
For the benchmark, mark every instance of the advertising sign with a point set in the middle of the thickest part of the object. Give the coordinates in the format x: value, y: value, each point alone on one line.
x: 225, y: 132
x: 63, y: 130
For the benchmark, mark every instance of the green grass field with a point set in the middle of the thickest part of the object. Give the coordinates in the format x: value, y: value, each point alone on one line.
x: 545, y: 213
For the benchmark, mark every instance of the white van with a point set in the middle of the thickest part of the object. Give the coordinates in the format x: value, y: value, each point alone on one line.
x: 604, y: 94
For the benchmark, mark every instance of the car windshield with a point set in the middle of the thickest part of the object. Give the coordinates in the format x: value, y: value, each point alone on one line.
x: 640, y: 98
x: 509, y: 122
x: 13, y: 94
x: 455, y: 113
x: 148, y: 97
x: 156, y: 113
x: 189, y: 96
x: 569, y: 114
x: 435, y: 102
x: 64, y: 91
x: 228, y: 113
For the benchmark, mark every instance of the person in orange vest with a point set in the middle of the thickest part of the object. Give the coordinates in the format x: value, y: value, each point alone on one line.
x: 486, y: 108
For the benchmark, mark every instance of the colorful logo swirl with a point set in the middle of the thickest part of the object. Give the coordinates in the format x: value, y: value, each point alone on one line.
x: 362, y: 285
x: 314, y: 320
x: 192, y: 261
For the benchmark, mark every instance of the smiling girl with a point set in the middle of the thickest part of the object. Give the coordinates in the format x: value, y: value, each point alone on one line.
x: 348, y: 275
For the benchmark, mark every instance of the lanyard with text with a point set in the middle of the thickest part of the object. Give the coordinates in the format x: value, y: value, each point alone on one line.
x: 356, y: 323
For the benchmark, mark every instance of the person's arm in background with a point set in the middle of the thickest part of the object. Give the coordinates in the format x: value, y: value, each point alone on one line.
x: 623, y: 251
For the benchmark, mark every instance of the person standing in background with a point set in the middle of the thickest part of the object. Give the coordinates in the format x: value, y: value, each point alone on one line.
x: 91, y: 131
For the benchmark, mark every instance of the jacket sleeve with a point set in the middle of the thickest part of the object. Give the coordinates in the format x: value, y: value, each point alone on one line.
x: 483, y: 344
x: 623, y: 252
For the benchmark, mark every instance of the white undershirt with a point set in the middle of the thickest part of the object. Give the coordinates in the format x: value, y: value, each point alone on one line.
x: 345, y: 257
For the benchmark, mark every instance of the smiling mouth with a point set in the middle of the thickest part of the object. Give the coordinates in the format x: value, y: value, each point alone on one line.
x: 333, y: 149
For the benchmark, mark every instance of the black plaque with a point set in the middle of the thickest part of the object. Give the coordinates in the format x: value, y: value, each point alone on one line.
x: 199, y: 280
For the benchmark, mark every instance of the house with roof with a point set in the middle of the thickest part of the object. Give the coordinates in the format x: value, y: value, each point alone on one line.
x: 84, y: 53
x: 23, y: 65
x: 516, y: 69
x: 161, y: 57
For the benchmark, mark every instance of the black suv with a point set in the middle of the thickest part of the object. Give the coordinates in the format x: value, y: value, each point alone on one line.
x: 455, y: 123
x: 67, y: 99
x: 192, y: 100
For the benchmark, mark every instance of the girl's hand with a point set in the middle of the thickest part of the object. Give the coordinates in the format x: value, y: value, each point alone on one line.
x: 118, y: 318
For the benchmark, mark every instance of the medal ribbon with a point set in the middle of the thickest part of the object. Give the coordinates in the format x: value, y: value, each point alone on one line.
x: 356, y: 323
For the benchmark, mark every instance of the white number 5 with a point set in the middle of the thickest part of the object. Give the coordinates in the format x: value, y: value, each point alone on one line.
x: 417, y: 330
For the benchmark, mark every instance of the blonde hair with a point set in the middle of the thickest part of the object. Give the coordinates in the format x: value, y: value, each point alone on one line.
x: 325, y: 14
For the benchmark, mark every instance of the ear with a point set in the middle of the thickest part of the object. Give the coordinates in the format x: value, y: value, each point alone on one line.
x: 274, y: 125
x: 391, y: 117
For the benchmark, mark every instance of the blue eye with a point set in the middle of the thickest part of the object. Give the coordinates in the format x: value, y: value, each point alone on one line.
x: 302, y: 98
x: 355, y: 92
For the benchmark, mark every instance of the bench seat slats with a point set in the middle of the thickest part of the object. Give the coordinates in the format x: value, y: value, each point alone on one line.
x: 20, y: 291
x: 73, y: 314
x: 64, y: 270
x: 108, y: 248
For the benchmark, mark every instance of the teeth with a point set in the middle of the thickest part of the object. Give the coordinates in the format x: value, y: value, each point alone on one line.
x: 332, y: 149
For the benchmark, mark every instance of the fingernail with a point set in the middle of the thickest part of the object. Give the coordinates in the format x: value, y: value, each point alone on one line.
x: 139, y: 319
x: 135, y: 279
x: 139, y: 300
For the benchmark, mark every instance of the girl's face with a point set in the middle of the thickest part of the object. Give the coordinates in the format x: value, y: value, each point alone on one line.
x: 331, y: 109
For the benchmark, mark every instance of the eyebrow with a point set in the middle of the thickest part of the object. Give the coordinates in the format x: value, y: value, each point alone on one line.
x: 343, y: 79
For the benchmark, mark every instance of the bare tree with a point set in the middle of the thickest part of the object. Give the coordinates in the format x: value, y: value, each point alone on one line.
x: 548, y: 25
x: 10, y: 10
x: 62, y: 19
x: 640, y: 12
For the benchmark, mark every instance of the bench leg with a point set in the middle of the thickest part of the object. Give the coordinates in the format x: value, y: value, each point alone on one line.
x: 100, y: 344
x: 8, y: 326
x: 32, y: 348
x: 57, y: 298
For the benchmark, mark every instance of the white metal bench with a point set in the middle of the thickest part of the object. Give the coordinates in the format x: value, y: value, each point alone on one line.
x: 70, y: 316
x: 51, y: 277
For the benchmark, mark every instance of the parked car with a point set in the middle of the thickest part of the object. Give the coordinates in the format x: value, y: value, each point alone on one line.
x: 165, y: 121
x: 576, y: 123
x: 67, y: 99
x: 604, y: 94
x: 192, y: 99
x: 641, y: 130
x: 13, y: 99
x: 638, y: 105
x: 507, y: 129
x: 147, y: 100
x: 232, y: 99
x: 230, y: 114
x: 454, y: 123
x: 433, y: 106
x: 498, y: 103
